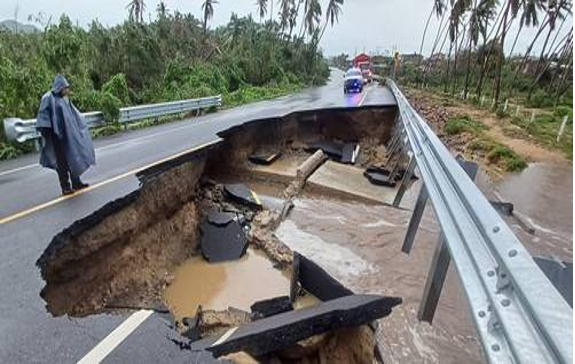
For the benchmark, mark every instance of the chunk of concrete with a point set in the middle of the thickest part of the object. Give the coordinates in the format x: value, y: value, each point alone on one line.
x: 240, y: 193
x: 284, y: 330
x: 270, y: 307
x: 223, y: 243
x: 315, y: 280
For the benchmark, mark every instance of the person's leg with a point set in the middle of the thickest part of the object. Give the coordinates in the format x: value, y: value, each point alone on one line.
x: 62, y: 167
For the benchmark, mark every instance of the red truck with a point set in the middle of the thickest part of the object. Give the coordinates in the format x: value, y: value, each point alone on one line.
x: 363, y: 62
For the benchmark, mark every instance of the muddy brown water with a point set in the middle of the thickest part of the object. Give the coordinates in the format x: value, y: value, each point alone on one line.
x: 230, y: 284
x: 543, y: 193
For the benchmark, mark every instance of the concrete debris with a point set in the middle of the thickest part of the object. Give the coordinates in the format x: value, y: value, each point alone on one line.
x: 240, y: 193
x: 315, y: 280
x: 270, y: 307
x: 213, y: 322
x: 284, y: 330
x: 265, y: 157
x: 223, y: 242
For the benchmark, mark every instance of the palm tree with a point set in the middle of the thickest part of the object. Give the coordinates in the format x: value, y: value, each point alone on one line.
x: 437, y: 9
x: 510, y: 12
x: 529, y: 17
x: 136, y: 10
x: 312, y: 16
x: 284, y: 13
x: 481, y: 14
x: 262, y: 6
x: 208, y: 9
x: 331, y: 15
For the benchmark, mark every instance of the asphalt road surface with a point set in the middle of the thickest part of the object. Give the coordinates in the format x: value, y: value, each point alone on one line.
x: 32, y: 212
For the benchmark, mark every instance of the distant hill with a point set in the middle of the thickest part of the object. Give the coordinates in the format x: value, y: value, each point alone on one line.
x: 14, y: 26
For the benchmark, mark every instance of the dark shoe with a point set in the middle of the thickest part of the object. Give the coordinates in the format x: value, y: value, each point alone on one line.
x: 78, y: 185
x: 67, y: 191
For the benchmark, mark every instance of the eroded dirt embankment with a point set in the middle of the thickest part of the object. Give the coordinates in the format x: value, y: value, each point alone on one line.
x: 124, y: 255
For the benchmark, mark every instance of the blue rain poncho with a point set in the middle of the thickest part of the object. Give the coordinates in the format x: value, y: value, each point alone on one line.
x: 59, y: 116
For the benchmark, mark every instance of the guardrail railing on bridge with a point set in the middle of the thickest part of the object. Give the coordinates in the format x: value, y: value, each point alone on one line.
x: 23, y: 130
x: 519, y: 315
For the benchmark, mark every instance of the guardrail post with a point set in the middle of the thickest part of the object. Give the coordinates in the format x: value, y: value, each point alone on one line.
x: 439, y: 264
x: 532, y: 117
x: 415, y: 219
x: 404, y: 181
x: 517, y: 110
x: 506, y: 105
x: 482, y: 100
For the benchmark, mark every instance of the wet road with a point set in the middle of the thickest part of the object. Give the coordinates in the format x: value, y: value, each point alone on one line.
x: 31, y: 212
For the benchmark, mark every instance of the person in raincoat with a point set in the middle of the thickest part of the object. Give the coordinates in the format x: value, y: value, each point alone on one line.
x: 66, y: 144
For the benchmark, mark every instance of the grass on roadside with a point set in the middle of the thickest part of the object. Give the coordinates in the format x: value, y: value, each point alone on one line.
x: 498, y: 154
x: 544, y: 130
x: 495, y: 153
x: 460, y: 124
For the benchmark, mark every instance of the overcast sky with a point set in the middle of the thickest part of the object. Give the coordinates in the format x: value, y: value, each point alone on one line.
x: 365, y: 25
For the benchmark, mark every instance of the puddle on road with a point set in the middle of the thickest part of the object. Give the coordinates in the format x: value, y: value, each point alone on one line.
x: 218, y: 286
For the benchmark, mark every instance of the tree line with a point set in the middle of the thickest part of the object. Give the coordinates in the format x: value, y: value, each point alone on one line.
x: 171, y: 56
x: 474, y: 33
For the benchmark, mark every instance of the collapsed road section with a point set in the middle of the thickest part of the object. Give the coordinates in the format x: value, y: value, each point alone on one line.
x: 201, y: 239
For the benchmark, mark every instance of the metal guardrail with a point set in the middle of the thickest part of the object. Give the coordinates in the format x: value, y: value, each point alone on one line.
x: 22, y: 130
x: 519, y: 315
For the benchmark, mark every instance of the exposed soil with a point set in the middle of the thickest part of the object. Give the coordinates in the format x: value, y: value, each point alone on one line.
x: 437, y: 114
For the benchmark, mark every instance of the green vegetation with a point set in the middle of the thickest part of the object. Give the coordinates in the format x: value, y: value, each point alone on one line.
x: 462, y: 124
x: 175, y: 56
x: 498, y: 154
x: 494, y: 152
x: 544, y: 130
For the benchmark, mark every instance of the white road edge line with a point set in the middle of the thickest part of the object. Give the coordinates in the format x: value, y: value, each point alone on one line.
x: 225, y: 336
x: 364, y: 96
x: 115, y: 338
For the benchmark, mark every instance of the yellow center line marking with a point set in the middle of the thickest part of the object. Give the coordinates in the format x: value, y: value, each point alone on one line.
x: 55, y: 201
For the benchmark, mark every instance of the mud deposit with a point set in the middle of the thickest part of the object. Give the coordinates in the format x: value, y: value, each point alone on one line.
x: 219, y: 286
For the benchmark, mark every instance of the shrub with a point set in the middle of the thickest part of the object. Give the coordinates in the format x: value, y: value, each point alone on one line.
x: 562, y: 111
x: 540, y: 99
x: 118, y: 87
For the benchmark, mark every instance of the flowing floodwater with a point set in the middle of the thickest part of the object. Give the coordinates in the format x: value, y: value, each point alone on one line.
x: 543, y: 193
x: 218, y: 286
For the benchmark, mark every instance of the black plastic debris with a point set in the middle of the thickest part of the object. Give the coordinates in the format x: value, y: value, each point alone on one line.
x: 265, y: 158
x: 270, y: 307
x: 315, y: 280
x: 242, y: 194
x: 222, y: 243
x: 560, y: 274
x: 285, y: 329
x: 338, y: 151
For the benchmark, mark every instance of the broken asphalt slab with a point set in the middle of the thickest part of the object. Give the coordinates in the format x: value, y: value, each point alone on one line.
x: 223, y: 243
x: 284, y: 330
x: 341, y: 152
x: 265, y: 158
x: 240, y: 193
x: 315, y: 280
x: 270, y: 307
